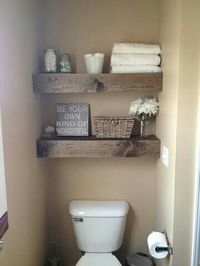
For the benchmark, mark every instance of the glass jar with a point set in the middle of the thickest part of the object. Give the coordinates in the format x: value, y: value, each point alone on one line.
x: 145, y: 127
x: 50, y: 60
x: 65, y: 64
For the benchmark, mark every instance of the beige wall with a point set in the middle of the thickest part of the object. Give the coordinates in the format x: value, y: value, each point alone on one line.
x: 25, y: 240
x: 187, y: 136
x: 169, y: 38
x: 156, y: 194
x: 101, y: 179
x: 177, y: 125
x: 79, y: 27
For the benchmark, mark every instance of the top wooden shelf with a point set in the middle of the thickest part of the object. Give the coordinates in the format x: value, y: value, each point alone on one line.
x: 96, y: 83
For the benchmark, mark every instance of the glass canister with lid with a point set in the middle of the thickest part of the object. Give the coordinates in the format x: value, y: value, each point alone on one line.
x: 65, y: 63
x: 50, y: 60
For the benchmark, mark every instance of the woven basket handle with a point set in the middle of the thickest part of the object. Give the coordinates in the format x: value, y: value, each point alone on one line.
x: 114, y: 120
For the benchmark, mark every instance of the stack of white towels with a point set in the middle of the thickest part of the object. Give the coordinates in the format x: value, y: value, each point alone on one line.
x: 135, y: 58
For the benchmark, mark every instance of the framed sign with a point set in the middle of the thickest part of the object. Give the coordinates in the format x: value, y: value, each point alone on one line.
x: 72, y: 119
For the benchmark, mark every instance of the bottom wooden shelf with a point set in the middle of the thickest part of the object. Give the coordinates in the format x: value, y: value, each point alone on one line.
x: 91, y: 147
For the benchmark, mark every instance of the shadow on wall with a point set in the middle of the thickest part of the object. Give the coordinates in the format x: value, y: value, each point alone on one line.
x: 124, y: 250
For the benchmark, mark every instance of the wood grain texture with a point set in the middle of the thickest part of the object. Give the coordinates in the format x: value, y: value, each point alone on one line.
x: 92, y: 147
x: 94, y: 83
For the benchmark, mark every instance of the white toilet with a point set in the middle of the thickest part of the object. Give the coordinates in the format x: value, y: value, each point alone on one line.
x: 99, y: 229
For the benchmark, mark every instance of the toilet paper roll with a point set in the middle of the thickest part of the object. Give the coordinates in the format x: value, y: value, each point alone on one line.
x: 156, y: 240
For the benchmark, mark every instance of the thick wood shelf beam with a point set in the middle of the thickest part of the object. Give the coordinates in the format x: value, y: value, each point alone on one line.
x: 95, y: 83
x: 92, y: 147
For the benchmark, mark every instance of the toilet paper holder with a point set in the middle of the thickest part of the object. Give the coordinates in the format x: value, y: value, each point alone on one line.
x: 161, y: 249
x: 169, y: 248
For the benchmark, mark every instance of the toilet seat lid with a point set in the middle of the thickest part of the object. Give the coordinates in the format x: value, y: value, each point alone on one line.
x: 98, y: 259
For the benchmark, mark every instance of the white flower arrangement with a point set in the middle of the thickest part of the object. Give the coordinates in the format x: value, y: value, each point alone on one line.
x: 144, y: 108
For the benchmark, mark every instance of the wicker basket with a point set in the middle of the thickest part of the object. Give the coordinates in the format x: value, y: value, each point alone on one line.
x: 113, y: 127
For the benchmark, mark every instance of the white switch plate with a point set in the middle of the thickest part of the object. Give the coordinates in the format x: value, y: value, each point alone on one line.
x: 165, y: 156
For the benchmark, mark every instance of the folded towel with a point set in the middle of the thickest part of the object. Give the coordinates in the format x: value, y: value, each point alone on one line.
x: 136, y: 48
x: 135, y: 69
x: 134, y: 59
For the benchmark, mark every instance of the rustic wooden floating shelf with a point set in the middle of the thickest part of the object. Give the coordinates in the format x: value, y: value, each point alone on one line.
x: 91, y: 147
x: 95, y: 83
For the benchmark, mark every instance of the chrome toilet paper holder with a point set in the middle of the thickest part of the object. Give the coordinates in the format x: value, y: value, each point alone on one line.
x: 161, y: 249
x: 169, y: 248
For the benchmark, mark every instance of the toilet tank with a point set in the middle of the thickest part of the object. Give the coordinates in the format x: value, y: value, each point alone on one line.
x: 98, y: 225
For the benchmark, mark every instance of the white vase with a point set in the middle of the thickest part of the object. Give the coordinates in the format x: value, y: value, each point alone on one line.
x: 94, y: 63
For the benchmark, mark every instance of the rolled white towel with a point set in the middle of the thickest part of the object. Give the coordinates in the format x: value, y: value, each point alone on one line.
x: 136, y: 48
x: 135, y: 69
x: 134, y: 59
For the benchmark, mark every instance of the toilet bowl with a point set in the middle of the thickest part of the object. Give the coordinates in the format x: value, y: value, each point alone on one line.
x: 99, y: 229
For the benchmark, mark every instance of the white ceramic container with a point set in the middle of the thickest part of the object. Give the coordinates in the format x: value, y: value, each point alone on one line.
x: 94, y: 63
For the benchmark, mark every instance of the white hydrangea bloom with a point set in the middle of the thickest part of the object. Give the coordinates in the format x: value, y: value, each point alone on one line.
x: 144, y: 107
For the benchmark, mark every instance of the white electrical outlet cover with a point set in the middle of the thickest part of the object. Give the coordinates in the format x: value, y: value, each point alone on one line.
x: 165, y: 156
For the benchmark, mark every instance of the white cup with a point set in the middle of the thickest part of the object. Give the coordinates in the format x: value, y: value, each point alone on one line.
x: 94, y: 63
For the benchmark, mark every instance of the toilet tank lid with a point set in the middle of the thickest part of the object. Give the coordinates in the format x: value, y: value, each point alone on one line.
x: 86, y: 208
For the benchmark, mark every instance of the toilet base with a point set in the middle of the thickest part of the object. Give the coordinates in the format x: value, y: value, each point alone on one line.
x: 98, y: 259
